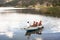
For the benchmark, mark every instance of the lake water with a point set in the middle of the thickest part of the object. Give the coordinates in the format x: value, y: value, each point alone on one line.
x: 11, y: 25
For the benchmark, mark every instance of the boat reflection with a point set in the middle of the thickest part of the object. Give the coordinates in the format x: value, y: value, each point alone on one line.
x: 37, y: 31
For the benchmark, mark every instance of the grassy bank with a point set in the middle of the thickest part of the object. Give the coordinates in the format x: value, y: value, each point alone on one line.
x: 49, y: 11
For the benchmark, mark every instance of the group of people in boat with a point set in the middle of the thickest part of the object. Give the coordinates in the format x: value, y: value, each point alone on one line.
x: 35, y: 24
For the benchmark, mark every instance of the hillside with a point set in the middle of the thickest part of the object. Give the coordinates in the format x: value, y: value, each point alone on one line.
x: 27, y: 3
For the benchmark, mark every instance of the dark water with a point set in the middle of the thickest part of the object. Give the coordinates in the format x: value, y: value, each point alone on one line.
x: 33, y: 11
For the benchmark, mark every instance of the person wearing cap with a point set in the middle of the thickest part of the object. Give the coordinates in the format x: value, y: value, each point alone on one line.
x: 28, y: 24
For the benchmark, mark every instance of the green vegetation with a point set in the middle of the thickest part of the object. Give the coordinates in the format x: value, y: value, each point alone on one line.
x: 50, y: 11
x: 54, y: 11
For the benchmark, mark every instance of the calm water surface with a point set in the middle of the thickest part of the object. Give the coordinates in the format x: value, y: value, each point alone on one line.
x: 11, y: 25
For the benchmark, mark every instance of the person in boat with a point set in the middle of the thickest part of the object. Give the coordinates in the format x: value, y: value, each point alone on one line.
x: 28, y: 24
x: 40, y: 23
x: 35, y: 24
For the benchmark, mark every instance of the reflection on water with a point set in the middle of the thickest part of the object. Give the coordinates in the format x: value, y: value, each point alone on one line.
x: 29, y: 33
x: 11, y: 24
x: 37, y: 31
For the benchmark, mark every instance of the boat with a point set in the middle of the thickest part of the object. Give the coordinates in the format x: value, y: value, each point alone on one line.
x: 33, y: 28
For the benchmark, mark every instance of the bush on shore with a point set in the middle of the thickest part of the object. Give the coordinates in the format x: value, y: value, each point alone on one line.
x: 51, y: 11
